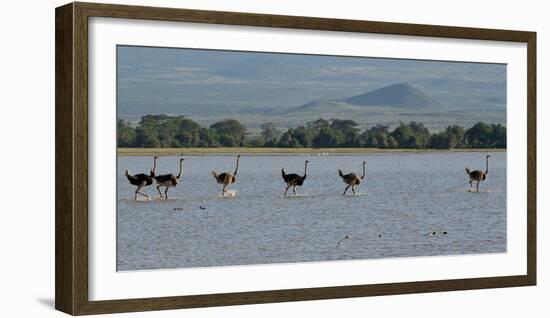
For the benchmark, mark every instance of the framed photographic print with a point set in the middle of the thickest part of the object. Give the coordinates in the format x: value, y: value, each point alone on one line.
x: 211, y: 158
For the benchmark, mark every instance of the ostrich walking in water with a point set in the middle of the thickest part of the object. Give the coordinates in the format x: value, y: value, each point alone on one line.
x: 478, y: 175
x: 293, y: 180
x: 227, y: 178
x: 141, y: 180
x: 167, y: 180
x: 351, y: 179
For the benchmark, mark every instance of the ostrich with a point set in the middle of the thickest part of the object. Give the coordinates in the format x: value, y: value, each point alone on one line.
x: 478, y: 175
x: 167, y: 180
x: 141, y: 180
x: 227, y: 178
x: 293, y: 180
x: 351, y: 179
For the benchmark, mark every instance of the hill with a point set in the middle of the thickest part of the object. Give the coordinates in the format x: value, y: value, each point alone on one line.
x: 396, y: 95
x: 388, y: 99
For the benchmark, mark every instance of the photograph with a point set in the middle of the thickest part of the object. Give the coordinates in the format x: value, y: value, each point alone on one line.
x: 233, y: 158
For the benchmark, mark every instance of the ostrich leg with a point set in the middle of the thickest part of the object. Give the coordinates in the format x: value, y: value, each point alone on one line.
x: 294, y: 190
x: 286, y: 190
x: 477, y: 186
x: 223, y: 190
x: 139, y: 188
x: 160, y: 193
x: 471, y: 185
x: 346, y: 190
x: 353, y: 189
x: 166, y: 193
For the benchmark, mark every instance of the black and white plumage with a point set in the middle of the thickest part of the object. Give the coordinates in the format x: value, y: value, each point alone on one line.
x: 351, y: 179
x: 167, y: 180
x: 293, y: 180
x: 227, y: 178
x: 478, y: 175
x: 141, y: 180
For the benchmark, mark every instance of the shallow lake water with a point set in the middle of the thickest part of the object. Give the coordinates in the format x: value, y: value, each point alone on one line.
x: 403, y: 199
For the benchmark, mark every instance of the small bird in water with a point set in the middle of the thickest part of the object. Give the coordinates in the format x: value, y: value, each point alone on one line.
x: 433, y: 233
x: 202, y: 207
x: 444, y: 232
x: 342, y: 240
x: 379, y: 235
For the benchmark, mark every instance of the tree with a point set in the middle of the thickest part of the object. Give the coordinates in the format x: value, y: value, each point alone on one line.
x: 188, y: 125
x: 203, y: 144
x: 328, y: 137
x: 478, y: 136
x: 498, y: 138
x: 441, y: 140
x: 186, y: 139
x: 343, y: 125
x: 175, y: 144
x: 228, y: 140
x: 153, y: 120
x: 318, y: 124
x: 258, y: 141
x: 288, y: 141
x: 230, y: 129
x: 377, y: 137
x: 167, y: 129
x: 303, y: 136
x: 421, y: 134
x: 126, y: 134
x: 391, y: 142
x: 269, y: 134
x: 147, y: 137
x: 348, y: 128
x: 208, y: 138
x: 404, y: 136
x: 413, y: 135
x: 456, y: 136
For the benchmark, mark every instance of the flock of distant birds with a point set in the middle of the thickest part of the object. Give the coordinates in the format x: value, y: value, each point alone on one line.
x: 292, y: 180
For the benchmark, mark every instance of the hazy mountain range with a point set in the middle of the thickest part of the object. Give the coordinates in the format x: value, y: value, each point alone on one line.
x: 396, y: 96
x: 290, y: 89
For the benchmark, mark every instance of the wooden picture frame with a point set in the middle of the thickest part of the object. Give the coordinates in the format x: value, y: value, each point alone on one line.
x: 71, y: 221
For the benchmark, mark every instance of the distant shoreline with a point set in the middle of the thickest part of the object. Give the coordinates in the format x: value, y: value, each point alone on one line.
x: 282, y: 151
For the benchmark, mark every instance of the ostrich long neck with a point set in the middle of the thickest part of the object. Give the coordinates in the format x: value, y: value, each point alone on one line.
x: 305, y: 170
x: 364, y: 171
x: 154, y: 171
x: 486, y: 165
x: 181, y: 169
x: 236, y: 166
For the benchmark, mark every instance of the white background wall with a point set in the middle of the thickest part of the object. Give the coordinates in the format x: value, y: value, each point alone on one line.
x: 27, y: 158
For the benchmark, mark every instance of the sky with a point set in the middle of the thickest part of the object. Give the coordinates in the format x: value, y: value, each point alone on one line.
x: 178, y: 81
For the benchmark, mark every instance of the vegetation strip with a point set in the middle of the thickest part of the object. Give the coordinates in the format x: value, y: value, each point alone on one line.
x: 163, y: 131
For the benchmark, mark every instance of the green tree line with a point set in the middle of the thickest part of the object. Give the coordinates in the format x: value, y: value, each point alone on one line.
x: 163, y: 131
